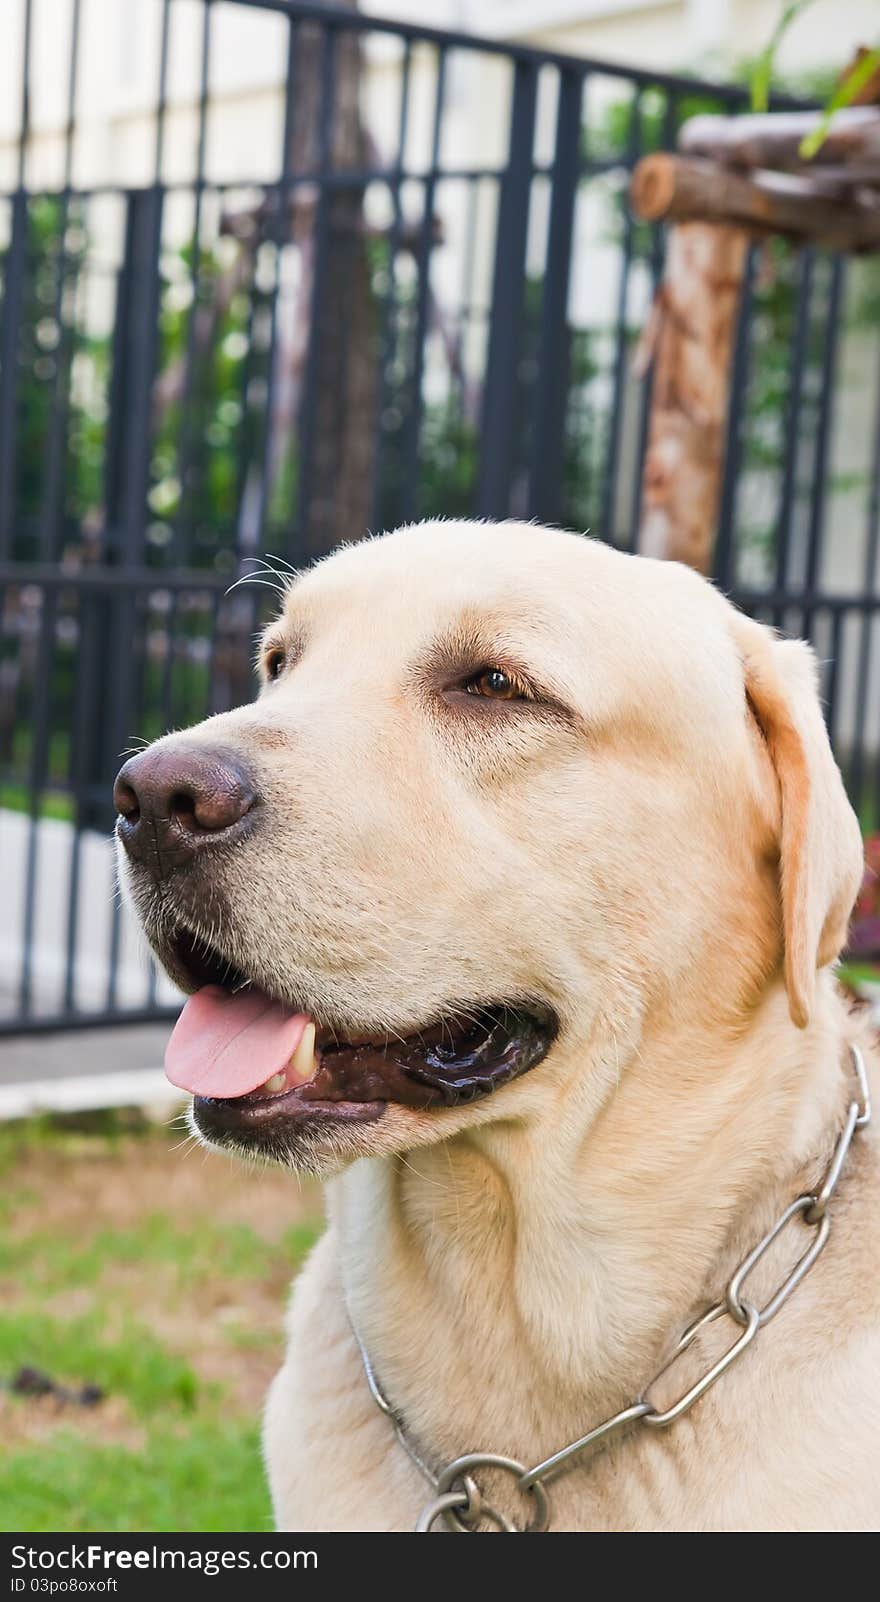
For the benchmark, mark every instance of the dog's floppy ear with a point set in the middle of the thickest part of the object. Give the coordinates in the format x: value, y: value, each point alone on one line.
x: 820, y: 844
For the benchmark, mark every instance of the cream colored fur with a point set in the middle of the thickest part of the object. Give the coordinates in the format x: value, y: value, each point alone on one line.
x: 670, y: 864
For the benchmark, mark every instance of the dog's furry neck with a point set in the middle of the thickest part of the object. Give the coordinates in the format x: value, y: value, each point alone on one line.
x: 600, y: 1229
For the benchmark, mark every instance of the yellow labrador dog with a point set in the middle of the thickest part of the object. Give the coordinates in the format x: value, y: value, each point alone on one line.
x: 509, y: 907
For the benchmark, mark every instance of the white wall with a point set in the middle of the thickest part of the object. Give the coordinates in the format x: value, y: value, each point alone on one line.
x: 93, y: 901
x: 119, y: 67
x: 681, y: 34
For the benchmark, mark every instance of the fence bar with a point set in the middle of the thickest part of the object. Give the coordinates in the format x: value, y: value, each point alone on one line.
x: 832, y: 686
x: 55, y: 455
x: 162, y: 93
x: 724, y: 556
x: 319, y: 252
x: 128, y: 469
x: 135, y: 577
x: 869, y: 580
x: 143, y: 247
x: 607, y: 524
x: 253, y: 535
x: 792, y: 423
x: 10, y: 338
x: 498, y: 430
x: 388, y: 317
x: 24, y: 130
x: 85, y: 759
x: 413, y: 429
x: 191, y: 434
x: 658, y: 240
x: 55, y: 1022
x: 551, y: 389
x: 37, y: 773
x: 827, y: 392
x: 13, y: 294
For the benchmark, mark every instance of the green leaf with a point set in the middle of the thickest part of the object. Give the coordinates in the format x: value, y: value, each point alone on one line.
x: 762, y: 71
x: 851, y: 84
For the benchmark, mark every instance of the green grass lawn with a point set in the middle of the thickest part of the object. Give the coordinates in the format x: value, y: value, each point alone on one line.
x: 159, y: 1274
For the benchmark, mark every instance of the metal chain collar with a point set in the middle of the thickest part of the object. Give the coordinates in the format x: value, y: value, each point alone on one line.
x: 457, y: 1499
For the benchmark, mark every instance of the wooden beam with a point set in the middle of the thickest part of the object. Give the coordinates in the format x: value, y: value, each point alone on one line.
x: 680, y: 188
x: 774, y: 140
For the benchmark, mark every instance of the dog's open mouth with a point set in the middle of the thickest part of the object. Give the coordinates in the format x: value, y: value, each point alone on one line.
x: 251, y: 1061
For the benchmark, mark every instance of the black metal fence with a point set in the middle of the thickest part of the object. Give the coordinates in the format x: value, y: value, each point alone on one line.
x: 286, y: 273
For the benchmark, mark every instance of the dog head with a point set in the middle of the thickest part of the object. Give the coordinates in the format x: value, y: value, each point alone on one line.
x: 501, y: 784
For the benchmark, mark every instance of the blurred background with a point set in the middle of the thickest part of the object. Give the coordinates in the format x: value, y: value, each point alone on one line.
x: 272, y: 275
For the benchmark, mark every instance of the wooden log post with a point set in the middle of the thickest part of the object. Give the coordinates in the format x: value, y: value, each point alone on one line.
x: 734, y: 180
x: 689, y: 338
x: 683, y: 188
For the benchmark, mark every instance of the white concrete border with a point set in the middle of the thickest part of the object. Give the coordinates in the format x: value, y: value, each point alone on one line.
x: 135, y: 1087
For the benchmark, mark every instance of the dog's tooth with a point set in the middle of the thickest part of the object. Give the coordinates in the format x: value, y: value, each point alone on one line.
x: 303, y: 1065
x: 276, y: 1083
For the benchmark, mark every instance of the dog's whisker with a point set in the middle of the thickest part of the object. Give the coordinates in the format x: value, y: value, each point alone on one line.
x: 254, y: 578
x: 272, y: 556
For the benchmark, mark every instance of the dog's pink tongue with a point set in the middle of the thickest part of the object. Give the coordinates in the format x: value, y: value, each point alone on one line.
x: 226, y: 1045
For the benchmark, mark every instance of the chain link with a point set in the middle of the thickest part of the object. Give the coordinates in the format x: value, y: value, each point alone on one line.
x: 670, y: 1415
x: 457, y: 1498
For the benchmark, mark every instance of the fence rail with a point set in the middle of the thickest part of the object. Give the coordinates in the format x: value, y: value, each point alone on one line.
x: 311, y: 273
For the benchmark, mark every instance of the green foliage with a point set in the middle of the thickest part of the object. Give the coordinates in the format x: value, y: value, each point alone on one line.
x: 849, y: 88
x: 206, y: 348
x: 448, y: 461
x: 52, y: 1261
x: 208, y: 1477
x: 168, y: 1315
x: 54, y: 255
x: 638, y: 124
x: 762, y: 69
x: 129, y: 1363
x: 837, y: 94
x: 64, y: 1134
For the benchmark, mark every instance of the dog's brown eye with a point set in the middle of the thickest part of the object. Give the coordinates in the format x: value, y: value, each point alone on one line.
x: 274, y: 664
x: 496, y: 685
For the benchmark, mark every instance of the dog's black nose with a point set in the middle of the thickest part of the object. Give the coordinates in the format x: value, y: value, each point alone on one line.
x: 174, y: 800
